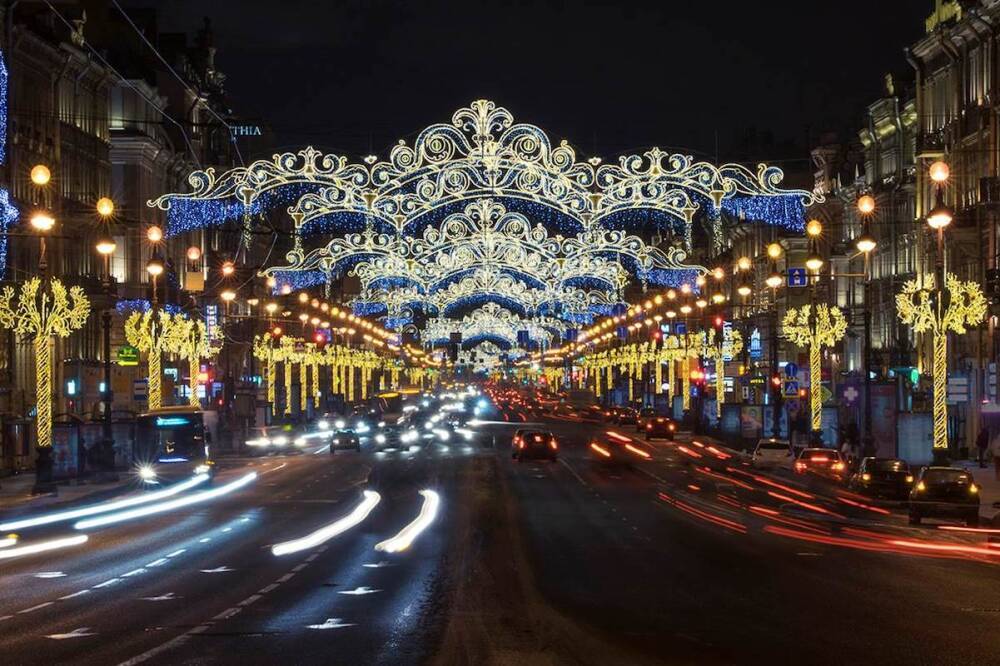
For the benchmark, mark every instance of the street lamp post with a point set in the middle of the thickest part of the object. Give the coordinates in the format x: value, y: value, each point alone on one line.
x: 866, y: 243
x: 106, y: 247
x: 774, y: 281
x: 814, y: 263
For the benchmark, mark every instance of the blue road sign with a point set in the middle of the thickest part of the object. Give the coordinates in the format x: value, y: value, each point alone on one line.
x: 797, y: 277
x: 791, y: 370
x: 681, y: 328
x: 791, y: 388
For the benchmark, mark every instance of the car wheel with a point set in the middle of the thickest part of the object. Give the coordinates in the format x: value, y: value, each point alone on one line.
x: 972, y: 520
x: 914, y: 518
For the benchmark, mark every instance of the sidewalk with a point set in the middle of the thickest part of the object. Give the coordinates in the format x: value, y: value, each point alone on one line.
x: 15, y: 492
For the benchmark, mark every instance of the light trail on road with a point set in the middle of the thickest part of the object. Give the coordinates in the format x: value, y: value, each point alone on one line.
x: 60, y: 516
x: 167, y: 506
x: 43, y: 546
x: 406, y: 536
x: 370, y: 501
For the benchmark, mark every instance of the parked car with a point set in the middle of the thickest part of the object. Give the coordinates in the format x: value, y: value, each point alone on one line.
x: 772, y: 452
x: 883, y: 477
x: 946, y: 492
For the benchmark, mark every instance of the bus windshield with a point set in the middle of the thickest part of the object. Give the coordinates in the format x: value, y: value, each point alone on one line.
x: 170, y: 437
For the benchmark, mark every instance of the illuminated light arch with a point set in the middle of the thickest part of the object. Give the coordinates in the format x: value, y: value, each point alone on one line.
x: 483, y: 209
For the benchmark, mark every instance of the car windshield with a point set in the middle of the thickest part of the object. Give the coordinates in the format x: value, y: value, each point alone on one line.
x: 891, y: 466
x: 946, y: 476
x: 648, y: 411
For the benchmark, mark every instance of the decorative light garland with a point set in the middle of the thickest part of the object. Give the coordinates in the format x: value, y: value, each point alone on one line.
x: 825, y: 328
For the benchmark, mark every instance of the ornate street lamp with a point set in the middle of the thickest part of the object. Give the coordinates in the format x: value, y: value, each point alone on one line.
x: 866, y: 243
x: 106, y: 247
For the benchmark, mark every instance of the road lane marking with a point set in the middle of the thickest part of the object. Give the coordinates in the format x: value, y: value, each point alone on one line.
x: 573, y: 472
x: 159, y: 562
x: 265, y: 590
x: 249, y: 600
x: 287, y: 577
x: 177, y: 552
x: 299, y: 567
x: 75, y: 594
x: 76, y: 633
x: 228, y: 613
x: 107, y: 583
x: 34, y: 608
x: 134, y: 572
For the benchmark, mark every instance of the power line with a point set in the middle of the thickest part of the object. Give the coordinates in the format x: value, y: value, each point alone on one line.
x: 178, y: 77
x: 127, y: 82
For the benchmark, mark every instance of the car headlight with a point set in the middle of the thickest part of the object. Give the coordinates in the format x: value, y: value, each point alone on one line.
x: 380, y: 438
x: 147, y: 473
x: 336, y: 440
x: 323, y: 424
x: 300, y: 441
x: 280, y: 440
x: 202, y: 469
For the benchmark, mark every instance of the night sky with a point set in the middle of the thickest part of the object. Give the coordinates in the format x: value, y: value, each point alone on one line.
x: 751, y: 80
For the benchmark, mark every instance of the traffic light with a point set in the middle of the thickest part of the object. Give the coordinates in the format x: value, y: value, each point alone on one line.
x: 718, y: 323
x: 319, y: 339
x: 776, y: 380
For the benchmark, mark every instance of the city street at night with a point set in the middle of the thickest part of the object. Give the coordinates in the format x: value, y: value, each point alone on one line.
x: 499, y: 333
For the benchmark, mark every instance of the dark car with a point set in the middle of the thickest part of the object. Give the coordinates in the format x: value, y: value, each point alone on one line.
x: 614, y: 449
x: 822, y: 462
x: 644, y: 415
x: 883, y: 477
x: 627, y: 416
x: 659, y: 426
x: 592, y: 413
x: 944, y: 492
x: 611, y: 414
x: 516, y: 440
x: 345, y: 438
x: 537, y: 445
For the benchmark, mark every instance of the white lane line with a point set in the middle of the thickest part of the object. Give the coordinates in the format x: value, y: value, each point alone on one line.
x: 177, y: 552
x: 205, y: 540
x: 159, y: 562
x: 312, y: 557
x: 299, y: 567
x: 134, y: 572
x: 107, y: 583
x: 75, y: 594
x: 34, y: 608
x: 287, y: 577
x: 249, y: 600
x: 177, y: 641
x: 5, y: 617
x: 573, y: 472
x: 265, y: 590
x: 228, y: 613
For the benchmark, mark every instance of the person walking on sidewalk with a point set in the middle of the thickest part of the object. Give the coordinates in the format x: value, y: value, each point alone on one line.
x: 982, y: 443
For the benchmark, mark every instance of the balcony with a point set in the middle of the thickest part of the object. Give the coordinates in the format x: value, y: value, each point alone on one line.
x: 930, y: 145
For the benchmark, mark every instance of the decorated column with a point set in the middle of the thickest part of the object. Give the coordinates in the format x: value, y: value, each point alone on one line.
x: 823, y: 329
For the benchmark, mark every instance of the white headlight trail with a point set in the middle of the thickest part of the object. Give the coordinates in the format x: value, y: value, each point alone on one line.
x: 407, y: 535
x: 323, y: 534
x: 178, y: 503
x: 41, y: 547
x: 8, y: 541
x: 105, y: 507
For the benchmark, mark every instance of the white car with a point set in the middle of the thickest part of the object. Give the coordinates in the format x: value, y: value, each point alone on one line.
x: 773, y: 452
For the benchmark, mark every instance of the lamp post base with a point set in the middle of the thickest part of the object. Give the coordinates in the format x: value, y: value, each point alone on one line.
x: 43, y: 473
x: 106, y: 464
x: 941, y: 458
x: 815, y: 438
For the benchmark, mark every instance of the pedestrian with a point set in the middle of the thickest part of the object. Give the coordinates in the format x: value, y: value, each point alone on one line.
x: 982, y: 443
x: 995, y: 448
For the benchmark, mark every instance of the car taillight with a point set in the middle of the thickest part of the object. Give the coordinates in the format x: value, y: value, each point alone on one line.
x: 672, y: 426
x: 649, y: 426
x: 920, y: 486
x: 868, y: 477
x: 552, y: 444
x: 800, y: 465
x: 909, y: 479
x: 838, y: 466
x: 973, y: 489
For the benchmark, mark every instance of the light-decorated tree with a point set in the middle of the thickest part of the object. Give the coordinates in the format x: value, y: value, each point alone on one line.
x: 963, y: 306
x: 718, y: 346
x: 823, y: 329
x: 155, y: 332
x: 41, y: 311
x: 265, y: 351
x: 194, y: 345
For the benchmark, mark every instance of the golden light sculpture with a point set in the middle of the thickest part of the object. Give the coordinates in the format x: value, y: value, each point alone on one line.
x: 194, y: 345
x: 718, y: 347
x: 265, y: 352
x: 916, y: 308
x: 155, y: 333
x: 828, y: 328
x: 43, y: 311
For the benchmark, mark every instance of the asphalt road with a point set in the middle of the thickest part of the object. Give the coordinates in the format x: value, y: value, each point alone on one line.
x: 691, y: 557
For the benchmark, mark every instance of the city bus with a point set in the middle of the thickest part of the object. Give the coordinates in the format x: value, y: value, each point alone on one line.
x: 173, y: 443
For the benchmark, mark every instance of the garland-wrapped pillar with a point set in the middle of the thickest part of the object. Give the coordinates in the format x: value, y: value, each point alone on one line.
x: 43, y: 387
x: 303, y: 386
x: 287, y: 365
x: 720, y: 385
x: 940, y: 388
x: 686, y: 382
x: 815, y: 383
x: 155, y: 366
x: 315, y: 383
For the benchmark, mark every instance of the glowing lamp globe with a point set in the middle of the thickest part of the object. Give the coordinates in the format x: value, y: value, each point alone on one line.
x: 228, y: 268
x: 40, y: 175
x: 105, y: 207
x: 814, y: 262
x: 939, y: 172
x: 743, y: 290
x: 154, y: 267
x: 865, y: 243
x: 701, y: 303
x: 194, y: 253
x: 42, y: 221
x: 228, y: 295
x: 814, y: 228
x: 774, y: 250
x: 106, y: 245
x: 866, y: 204
x: 774, y: 280
x: 939, y: 217
x: 744, y: 263
x: 154, y: 234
